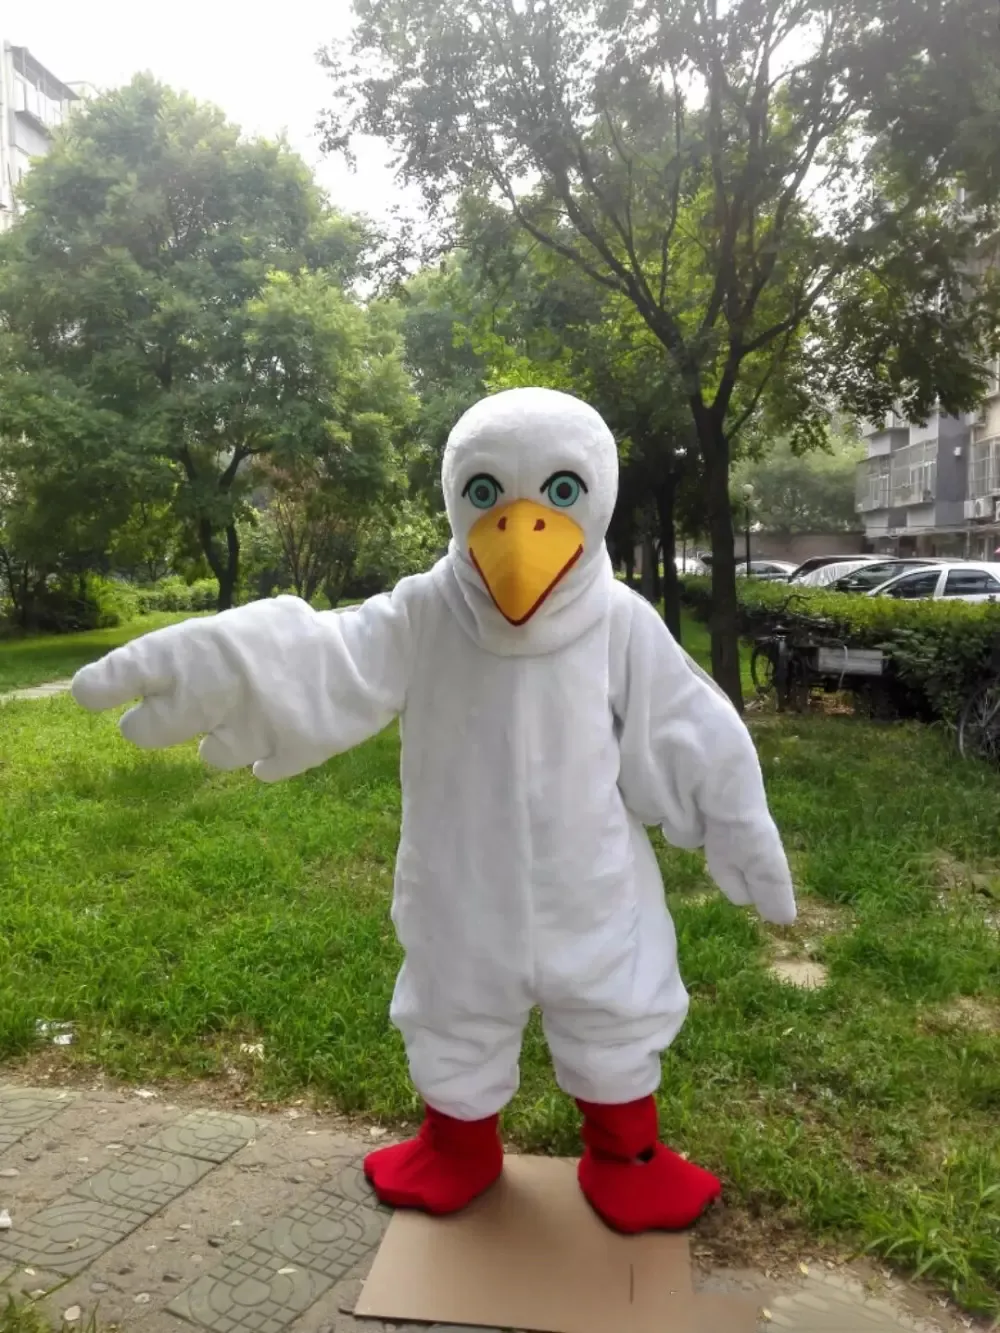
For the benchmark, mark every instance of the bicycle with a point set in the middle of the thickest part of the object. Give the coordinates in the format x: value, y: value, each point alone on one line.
x: 979, y: 720
x: 780, y: 663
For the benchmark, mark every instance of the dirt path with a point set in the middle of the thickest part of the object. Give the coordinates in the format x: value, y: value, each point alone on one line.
x: 46, y: 691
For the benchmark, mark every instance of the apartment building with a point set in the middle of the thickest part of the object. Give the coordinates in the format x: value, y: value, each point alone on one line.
x: 33, y: 104
x: 934, y: 488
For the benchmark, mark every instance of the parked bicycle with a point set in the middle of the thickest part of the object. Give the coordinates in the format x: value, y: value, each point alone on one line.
x: 802, y: 653
x: 979, y: 720
x: 778, y: 663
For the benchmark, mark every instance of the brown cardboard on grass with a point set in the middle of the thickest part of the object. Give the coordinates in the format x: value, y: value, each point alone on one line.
x: 530, y: 1254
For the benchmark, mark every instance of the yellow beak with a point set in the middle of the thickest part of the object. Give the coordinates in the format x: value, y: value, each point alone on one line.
x: 522, y: 551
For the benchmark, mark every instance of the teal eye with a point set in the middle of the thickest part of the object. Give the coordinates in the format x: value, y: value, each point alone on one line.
x: 483, y: 491
x: 564, y: 489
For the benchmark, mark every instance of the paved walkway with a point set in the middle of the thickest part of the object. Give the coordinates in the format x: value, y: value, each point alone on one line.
x: 47, y: 691
x: 160, y: 1217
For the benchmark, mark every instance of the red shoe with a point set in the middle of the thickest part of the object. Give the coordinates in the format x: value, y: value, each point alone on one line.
x: 631, y: 1180
x: 449, y: 1163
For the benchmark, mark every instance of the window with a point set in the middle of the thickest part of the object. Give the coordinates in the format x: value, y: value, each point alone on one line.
x: 915, y: 585
x: 873, y: 483
x: 914, y: 473
x: 863, y: 580
x: 970, y: 582
x: 984, y: 470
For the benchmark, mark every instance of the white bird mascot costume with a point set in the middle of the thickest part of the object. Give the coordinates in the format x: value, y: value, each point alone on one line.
x: 547, y: 716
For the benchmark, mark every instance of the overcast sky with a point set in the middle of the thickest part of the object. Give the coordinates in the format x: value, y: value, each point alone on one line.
x: 257, y: 63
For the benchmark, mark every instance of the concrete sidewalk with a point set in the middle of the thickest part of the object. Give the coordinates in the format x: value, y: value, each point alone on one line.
x: 161, y: 1217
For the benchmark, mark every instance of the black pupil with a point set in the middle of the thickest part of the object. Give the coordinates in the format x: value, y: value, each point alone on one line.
x: 564, y: 490
x: 483, y: 492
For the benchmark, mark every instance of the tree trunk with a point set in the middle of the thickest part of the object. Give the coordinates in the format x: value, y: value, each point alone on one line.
x: 231, y: 572
x: 665, y: 498
x: 647, y: 575
x: 724, y: 622
x: 226, y: 571
x: 629, y: 563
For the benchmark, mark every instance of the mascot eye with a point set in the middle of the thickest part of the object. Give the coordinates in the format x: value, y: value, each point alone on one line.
x: 483, y: 491
x: 564, y: 489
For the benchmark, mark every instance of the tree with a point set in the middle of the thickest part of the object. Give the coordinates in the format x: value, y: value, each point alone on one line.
x: 182, y: 290
x: 795, y: 493
x: 679, y: 148
x: 447, y: 372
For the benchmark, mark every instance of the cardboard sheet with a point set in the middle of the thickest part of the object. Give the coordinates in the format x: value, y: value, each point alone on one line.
x: 530, y: 1254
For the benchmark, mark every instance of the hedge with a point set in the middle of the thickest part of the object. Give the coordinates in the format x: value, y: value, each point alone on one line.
x: 173, y: 594
x: 939, y: 650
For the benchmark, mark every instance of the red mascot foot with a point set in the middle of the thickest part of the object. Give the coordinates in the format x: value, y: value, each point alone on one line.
x: 449, y: 1163
x: 631, y: 1180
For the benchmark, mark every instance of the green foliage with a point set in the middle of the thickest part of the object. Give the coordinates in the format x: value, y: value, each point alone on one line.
x: 172, y: 305
x: 727, y: 172
x: 70, y: 603
x: 24, y: 1316
x: 939, y: 649
x: 449, y: 373
x: 174, y: 594
x: 796, y: 492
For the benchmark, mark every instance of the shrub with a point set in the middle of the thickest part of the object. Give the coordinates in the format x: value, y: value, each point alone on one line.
x: 64, y: 605
x: 174, y: 594
x: 938, y: 649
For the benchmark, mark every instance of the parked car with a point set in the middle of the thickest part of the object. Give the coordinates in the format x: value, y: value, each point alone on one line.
x: 971, y: 581
x: 827, y: 575
x: 819, y: 561
x: 773, y: 571
x: 692, y: 565
x: 872, y: 575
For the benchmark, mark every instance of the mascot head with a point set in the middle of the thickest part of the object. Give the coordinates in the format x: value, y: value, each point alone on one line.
x: 530, y: 478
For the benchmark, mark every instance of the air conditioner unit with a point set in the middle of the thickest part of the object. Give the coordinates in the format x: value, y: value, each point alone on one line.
x: 970, y: 509
x: 996, y: 512
x: 982, y: 509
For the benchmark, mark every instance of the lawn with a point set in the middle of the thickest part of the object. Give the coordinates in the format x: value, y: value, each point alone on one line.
x: 174, y: 914
x: 37, y: 658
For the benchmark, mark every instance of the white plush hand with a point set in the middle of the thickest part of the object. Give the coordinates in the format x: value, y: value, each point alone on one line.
x: 189, y: 686
x: 273, y: 685
x: 749, y: 865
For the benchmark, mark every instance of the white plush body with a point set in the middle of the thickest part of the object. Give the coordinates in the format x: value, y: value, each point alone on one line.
x: 531, y: 762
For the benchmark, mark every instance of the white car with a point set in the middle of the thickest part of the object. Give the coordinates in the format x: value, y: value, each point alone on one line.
x: 774, y: 571
x: 692, y: 565
x: 966, y: 582
x: 827, y: 574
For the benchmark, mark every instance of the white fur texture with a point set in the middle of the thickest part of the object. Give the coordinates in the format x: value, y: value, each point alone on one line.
x: 532, y: 758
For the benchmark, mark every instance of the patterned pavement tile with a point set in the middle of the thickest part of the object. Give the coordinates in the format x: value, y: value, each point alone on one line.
x: 824, y: 1305
x: 68, y: 1236
x: 250, y: 1292
x: 24, y: 1109
x: 325, y: 1233
x: 144, y: 1180
x: 210, y: 1136
x: 351, y: 1184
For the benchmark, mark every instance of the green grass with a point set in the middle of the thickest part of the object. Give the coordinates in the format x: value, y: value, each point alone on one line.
x: 173, y: 913
x: 22, y: 1316
x: 38, y: 658
x: 696, y: 640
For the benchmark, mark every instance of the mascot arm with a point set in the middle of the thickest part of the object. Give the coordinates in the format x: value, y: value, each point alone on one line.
x: 274, y: 685
x: 689, y: 764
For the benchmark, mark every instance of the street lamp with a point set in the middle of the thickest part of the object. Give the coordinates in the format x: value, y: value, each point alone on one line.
x: 748, y: 501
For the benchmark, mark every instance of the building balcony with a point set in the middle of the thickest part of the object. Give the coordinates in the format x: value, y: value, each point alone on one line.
x: 912, y: 493
x: 872, y: 484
